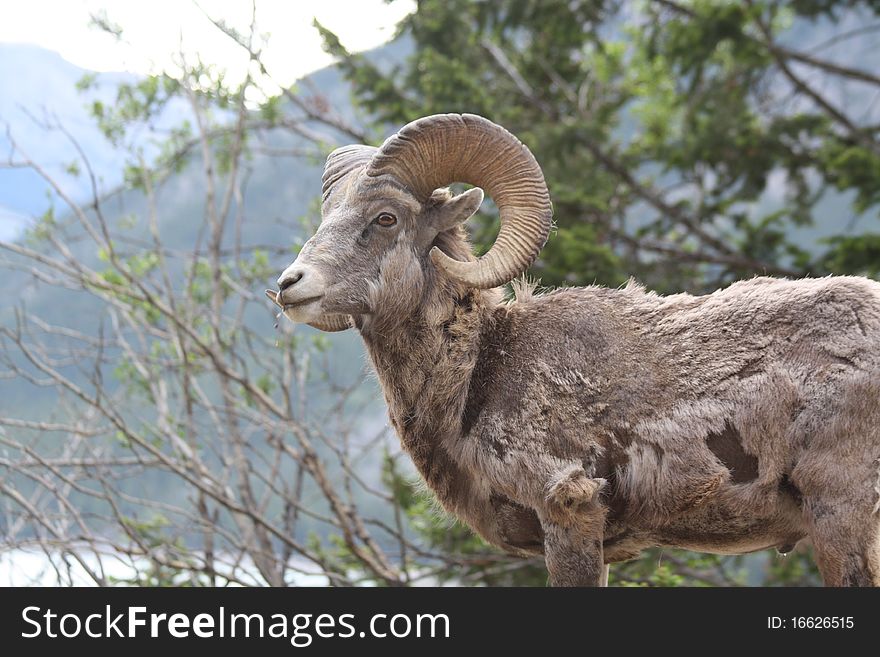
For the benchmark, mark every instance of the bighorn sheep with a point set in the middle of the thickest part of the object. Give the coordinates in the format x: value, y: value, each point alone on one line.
x: 590, y: 423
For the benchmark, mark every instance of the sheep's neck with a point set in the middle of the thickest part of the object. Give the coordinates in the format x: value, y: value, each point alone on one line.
x: 425, y: 367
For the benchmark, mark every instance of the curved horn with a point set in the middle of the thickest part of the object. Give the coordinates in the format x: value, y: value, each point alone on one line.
x: 340, y: 163
x: 438, y: 150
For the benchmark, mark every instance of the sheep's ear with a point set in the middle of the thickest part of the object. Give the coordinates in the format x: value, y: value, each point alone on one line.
x: 457, y: 209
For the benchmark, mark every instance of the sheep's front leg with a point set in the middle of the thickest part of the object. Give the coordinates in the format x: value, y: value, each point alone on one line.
x: 573, y: 520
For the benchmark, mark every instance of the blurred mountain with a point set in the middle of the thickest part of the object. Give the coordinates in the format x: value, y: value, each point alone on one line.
x: 12, y: 223
x: 38, y: 87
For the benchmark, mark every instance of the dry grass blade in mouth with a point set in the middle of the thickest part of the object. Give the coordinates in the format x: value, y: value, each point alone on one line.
x: 273, y: 296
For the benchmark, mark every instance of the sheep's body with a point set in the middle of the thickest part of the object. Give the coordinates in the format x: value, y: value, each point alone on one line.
x: 591, y: 423
x: 707, y: 414
x: 724, y: 423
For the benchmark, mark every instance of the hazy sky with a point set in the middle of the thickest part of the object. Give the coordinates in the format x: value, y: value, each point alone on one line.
x: 154, y: 29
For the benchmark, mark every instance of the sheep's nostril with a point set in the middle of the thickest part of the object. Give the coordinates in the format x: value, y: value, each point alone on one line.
x: 289, y: 280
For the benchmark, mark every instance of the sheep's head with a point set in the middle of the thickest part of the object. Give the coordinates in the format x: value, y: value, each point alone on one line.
x: 387, y: 221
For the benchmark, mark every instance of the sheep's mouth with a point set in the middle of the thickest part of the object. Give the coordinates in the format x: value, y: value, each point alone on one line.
x: 300, y: 304
x: 275, y: 297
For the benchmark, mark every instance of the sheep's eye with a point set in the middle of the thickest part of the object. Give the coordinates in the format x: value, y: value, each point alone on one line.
x: 385, y: 219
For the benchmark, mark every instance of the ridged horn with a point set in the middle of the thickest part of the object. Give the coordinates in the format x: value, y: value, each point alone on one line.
x: 437, y: 150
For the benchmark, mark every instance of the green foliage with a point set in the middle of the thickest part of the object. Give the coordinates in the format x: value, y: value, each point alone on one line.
x: 138, y: 265
x: 73, y: 169
x: 854, y: 254
x: 255, y: 270
x: 42, y: 228
x: 136, y: 102
x: 86, y: 82
x: 204, y: 285
x: 795, y: 569
x: 132, y: 381
x: 153, y: 535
